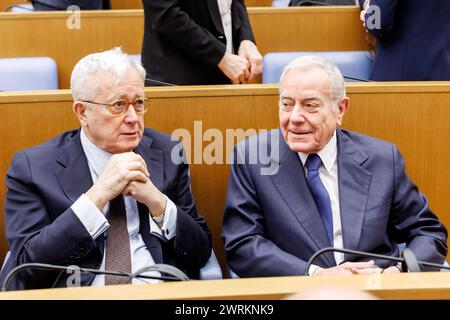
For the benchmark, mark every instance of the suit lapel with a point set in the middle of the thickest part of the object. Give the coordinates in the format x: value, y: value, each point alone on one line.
x: 154, y: 159
x: 214, y: 12
x: 74, y: 177
x: 73, y: 171
x: 354, y: 185
x: 291, y: 184
x: 151, y: 242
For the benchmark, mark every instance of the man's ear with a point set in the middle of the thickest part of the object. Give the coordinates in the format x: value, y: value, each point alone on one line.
x: 342, y: 109
x: 79, y: 108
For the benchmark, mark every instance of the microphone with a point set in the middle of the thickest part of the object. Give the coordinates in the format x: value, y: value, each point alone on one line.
x: 357, y: 79
x: 408, y: 260
x: 160, y: 83
x: 174, y: 273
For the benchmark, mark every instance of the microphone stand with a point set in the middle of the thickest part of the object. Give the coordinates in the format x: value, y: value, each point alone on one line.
x: 175, y: 276
x: 161, y: 83
x: 357, y: 79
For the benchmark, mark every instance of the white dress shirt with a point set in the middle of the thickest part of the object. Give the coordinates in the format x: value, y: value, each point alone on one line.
x: 96, y: 223
x: 328, y: 173
x: 225, y: 15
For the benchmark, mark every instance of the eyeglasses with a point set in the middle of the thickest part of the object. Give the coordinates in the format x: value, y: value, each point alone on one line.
x: 120, y: 107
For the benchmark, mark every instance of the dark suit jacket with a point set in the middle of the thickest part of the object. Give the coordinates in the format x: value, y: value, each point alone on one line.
x: 44, y: 181
x: 272, y: 225
x: 184, y: 40
x: 413, y: 43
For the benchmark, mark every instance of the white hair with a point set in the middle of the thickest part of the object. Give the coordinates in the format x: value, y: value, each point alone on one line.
x: 305, y: 63
x: 83, y: 82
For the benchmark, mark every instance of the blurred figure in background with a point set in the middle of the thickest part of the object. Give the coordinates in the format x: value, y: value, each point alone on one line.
x: 199, y: 42
x: 412, y: 39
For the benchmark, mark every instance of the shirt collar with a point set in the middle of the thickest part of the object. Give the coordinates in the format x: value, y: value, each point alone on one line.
x: 328, y: 154
x: 96, y: 157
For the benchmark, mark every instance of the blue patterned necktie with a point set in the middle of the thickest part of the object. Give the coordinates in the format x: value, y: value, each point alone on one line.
x: 118, y: 257
x: 320, y: 194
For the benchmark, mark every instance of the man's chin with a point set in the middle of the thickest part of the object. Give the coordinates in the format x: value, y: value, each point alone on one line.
x: 129, y: 145
x: 303, y: 147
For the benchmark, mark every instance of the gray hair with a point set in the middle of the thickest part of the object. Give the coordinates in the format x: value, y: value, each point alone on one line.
x: 304, y: 63
x: 83, y: 83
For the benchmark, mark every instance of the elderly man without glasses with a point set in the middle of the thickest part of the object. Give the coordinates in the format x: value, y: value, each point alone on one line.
x: 332, y: 187
x: 106, y: 196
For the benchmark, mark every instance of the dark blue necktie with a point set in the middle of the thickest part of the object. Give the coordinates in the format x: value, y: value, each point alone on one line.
x: 319, y: 193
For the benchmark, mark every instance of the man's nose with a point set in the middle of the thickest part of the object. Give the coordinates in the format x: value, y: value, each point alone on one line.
x: 297, y: 114
x: 131, y: 115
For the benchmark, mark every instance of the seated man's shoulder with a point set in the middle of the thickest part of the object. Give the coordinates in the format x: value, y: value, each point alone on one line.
x: 369, y: 143
x: 378, y: 151
x: 265, y: 138
x: 53, y: 145
x: 159, y: 140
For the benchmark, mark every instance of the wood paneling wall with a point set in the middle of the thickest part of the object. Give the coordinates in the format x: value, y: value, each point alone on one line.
x: 276, y: 29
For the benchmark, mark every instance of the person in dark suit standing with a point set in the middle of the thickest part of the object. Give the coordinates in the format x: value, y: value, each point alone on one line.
x: 412, y: 39
x: 199, y: 42
x: 322, y: 186
x: 108, y: 196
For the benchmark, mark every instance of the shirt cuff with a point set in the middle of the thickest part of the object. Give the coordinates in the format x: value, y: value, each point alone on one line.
x: 169, y: 226
x: 92, y: 219
x: 312, y: 269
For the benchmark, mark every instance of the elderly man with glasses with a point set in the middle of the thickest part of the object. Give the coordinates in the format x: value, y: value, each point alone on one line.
x: 106, y: 196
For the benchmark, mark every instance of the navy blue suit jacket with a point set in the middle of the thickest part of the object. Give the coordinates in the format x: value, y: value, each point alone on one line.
x: 413, y: 43
x: 44, y: 181
x: 272, y: 225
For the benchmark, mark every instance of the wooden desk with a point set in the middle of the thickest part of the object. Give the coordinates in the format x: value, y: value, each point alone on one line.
x: 276, y: 29
x: 434, y: 285
x: 412, y: 115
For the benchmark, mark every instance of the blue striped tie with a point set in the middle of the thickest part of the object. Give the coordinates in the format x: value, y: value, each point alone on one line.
x: 320, y: 194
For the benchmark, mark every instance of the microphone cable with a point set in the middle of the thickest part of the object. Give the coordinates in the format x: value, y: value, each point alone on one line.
x: 175, y: 273
x: 408, y: 259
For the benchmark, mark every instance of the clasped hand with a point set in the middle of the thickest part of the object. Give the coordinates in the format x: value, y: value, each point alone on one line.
x: 243, y: 67
x: 349, y: 268
x: 126, y: 174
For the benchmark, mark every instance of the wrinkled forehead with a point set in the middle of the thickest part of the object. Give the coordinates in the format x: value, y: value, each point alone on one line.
x: 302, y: 95
x: 112, y: 87
x: 311, y: 81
